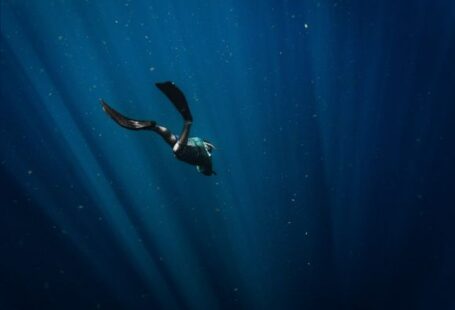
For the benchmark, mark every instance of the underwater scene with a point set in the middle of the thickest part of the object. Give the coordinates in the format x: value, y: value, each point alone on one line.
x: 194, y: 154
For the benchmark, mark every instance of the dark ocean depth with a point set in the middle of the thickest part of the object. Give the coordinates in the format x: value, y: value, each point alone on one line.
x: 334, y: 127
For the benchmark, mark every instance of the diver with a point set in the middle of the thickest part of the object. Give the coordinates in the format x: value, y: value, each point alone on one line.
x: 192, y: 150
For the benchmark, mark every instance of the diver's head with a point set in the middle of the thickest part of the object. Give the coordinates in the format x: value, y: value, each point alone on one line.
x: 209, y: 146
x: 206, y: 167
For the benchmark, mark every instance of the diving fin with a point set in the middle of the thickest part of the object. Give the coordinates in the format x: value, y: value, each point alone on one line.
x: 126, y: 122
x: 177, y: 98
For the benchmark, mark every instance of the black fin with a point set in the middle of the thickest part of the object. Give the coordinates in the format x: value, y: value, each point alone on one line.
x: 126, y: 122
x: 176, y: 96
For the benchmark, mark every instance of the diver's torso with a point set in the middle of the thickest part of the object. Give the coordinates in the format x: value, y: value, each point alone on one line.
x: 194, y: 152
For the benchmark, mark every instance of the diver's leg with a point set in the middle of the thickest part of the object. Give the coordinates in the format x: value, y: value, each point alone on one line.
x: 125, y: 122
x: 183, y: 139
x: 177, y: 98
x: 166, y: 134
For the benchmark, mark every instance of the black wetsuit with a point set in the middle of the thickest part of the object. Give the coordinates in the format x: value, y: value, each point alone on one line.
x: 194, y: 150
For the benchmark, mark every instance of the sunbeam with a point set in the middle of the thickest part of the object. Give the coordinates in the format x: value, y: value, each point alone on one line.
x: 334, y: 142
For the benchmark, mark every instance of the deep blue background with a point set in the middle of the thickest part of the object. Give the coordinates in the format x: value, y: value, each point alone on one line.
x: 334, y: 126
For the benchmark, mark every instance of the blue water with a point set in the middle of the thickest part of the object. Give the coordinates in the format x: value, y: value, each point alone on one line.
x: 335, y: 135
